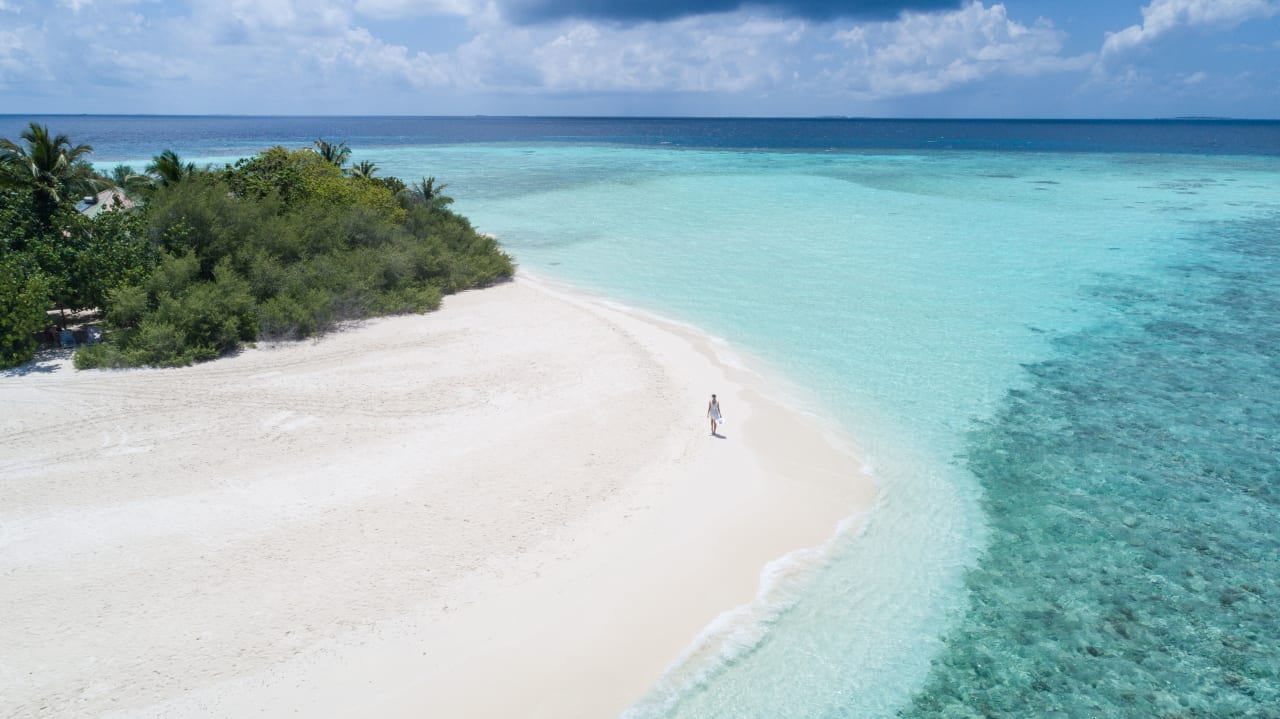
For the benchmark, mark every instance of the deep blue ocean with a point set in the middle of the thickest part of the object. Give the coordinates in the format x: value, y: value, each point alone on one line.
x: 116, y: 137
x: 1055, y: 343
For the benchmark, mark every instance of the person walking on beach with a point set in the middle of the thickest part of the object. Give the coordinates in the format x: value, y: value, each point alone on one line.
x: 713, y: 412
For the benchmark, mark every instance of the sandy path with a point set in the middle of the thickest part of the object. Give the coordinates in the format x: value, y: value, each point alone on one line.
x: 510, y: 507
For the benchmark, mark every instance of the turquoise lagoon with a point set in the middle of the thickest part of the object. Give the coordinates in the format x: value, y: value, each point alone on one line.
x: 1060, y: 368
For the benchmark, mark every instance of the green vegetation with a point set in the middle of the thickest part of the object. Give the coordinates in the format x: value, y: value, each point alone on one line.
x: 365, y: 169
x: 281, y: 245
x: 24, y: 295
x: 427, y: 193
x: 48, y: 167
x: 334, y: 154
x: 51, y: 256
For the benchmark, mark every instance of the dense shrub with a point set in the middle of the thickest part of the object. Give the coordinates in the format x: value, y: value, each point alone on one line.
x: 24, y: 297
x: 286, y: 317
x: 127, y: 306
x: 177, y: 319
x: 469, y: 259
x: 281, y: 246
x: 81, y: 258
x: 301, y: 176
x: 199, y: 216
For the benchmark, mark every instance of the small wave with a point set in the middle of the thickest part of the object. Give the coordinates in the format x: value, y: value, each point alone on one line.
x: 736, y: 633
x: 726, y: 355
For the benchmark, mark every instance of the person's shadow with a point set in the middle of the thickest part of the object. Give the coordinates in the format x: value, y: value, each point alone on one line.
x: 717, y: 435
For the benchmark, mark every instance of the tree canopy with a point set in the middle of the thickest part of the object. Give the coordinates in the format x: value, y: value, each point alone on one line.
x: 276, y: 246
x: 427, y: 194
x: 335, y: 154
x: 365, y: 169
x: 50, y: 167
x: 169, y: 169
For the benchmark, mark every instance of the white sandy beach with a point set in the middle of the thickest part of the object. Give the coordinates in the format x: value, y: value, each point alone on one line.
x: 510, y: 507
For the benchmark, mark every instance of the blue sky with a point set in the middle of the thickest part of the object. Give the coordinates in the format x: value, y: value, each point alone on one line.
x: 887, y: 58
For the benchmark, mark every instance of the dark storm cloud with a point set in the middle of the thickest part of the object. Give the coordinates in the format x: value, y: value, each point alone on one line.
x: 534, y: 11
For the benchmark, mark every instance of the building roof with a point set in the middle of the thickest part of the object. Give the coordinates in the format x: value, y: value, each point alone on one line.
x: 111, y: 199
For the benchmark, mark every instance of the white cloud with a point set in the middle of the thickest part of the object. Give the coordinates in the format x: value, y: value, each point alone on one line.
x: 401, y: 9
x: 21, y: 63
x: 327, y: 56
x: 1161, y: 16
x: 743, y: 53
x: 231, y: 49
x: 11, y: 51
x: 696, y: 54
x: 267, y: 21
x: 357, y: 52
x: 924, y: 53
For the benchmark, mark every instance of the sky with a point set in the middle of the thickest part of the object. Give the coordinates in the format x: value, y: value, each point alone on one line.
x: 798, y: 58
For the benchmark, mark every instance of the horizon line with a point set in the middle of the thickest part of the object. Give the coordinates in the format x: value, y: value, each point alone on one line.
x: 860, y: 118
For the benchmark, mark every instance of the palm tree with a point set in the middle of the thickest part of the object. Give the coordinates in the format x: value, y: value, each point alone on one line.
x: 120, y: 174
x: 333, y: 154
x: 127, y: 179
x: 428, y: 193
x: 165, y: 169
x: 54, y: 170
x: 168, y: 169
x: 364, y: 169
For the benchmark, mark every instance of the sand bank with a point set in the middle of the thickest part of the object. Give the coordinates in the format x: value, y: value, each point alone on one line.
x: 511, y: 507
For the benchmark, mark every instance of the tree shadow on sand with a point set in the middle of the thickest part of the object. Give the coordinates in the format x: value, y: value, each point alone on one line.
x: 45, y: 362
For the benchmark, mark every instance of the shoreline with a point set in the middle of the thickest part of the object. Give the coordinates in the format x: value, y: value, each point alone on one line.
x: 340, y: 568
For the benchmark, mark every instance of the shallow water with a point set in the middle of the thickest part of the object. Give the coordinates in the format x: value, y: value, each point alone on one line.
x: 921, y: 300
x: 1059, y: 366
x: 1134, y: 499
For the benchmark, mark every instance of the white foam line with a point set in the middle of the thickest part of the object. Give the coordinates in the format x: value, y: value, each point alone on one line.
x: 736, y: 632
x: 905, y: 505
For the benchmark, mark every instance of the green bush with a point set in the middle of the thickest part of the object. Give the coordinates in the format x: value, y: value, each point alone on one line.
x: 98, y: 356
x: 265, y: 272
x: 281, y: 246
x: 126, y: 306
x: 198, y: 216
x: 173, y: 275
x: 178, y: 318
x: 211, y: 317
x: 50, y: 251
x: 24, y: 297
x: 407, y: 300
x: 294, y: 316
x: 81, y: 258
x: 472, y: 259
x: 158, y: 344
